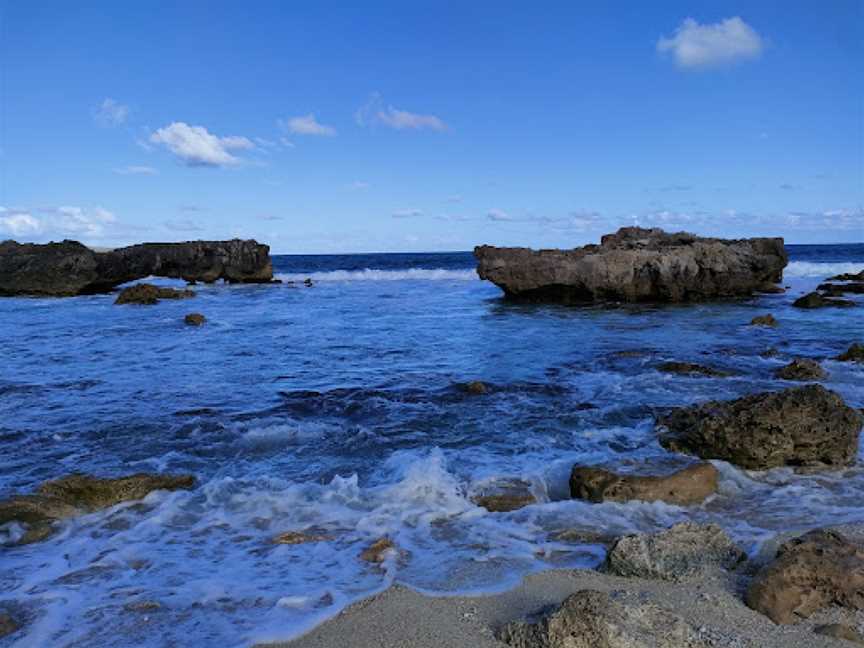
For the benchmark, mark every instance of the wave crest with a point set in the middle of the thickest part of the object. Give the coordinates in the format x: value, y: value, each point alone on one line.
x: 825, y: 270
x: 371, y: 274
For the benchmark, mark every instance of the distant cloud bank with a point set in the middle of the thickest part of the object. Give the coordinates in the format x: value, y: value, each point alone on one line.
x: 711, y: 45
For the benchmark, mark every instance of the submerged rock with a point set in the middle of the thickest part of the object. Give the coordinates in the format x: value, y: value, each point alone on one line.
x: 691, y: 369
x: 301, y: 537
x: 77, y: 494
x: 475, y: 387
x: 859, y: 276
x: 592, y: 619
x: 636, y: 265
x: 8, y: 625
x: 149, y: 294
x: 689, y: 485
x: 378, y: 551
x: 763, y: 320
x: 504, y: 496
x: 855, y: 353
x: 801, y: 369
x: 799, y: 426
x: 839, y: 631
x: 818, y: 569
x: 817, y: 300
x: 194, y: 319
x: 70, y: 268
x: 683, y: 551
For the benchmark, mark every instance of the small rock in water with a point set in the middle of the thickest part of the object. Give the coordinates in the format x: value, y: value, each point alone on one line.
x: 769, y: 353
x: 378, y: 551
x: 763, y: 320
x: 806, y: 426
x: 8, y: 625
x: 475, y: 387
x: 690, y: 369
x: 854, y: 353
x: 505, y: 495
x: 820, y: 568
x: 149, y: 294
x: 142, y: 606
x: 681, y: 552
x: 689, y: 485
x: 816, y: 300
x: 308, y: 282
x: 194, y: 319
x: 848, y: 277
x: 801, y: 369
x: 592, y: 619
x: 300, y: 537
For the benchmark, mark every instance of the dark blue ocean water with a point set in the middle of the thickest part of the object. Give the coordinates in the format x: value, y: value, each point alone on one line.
x: 333, y: 408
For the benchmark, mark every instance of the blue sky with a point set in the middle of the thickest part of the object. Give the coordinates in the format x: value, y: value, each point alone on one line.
x: 420, y: 126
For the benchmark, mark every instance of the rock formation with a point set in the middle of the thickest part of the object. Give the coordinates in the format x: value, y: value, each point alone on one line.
x: 799, y: 426
x: 148, y: 294
x: 818, y: 300
x: 636, y: 265
x: 763, y: 320
x: 77, y: 494
x: 683, y: 551
x: 818, y: 569
x: 691, y: 369
x: 504, y: 495
x: 592, y: 619
x: 70, y: 268
x: 194, y: 319
x: 801, y: 369
x: 689, y: 485
x: 855, y: 353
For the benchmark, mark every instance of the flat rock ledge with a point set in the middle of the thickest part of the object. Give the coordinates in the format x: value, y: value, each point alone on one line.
x: 636, y: 265
x: 593, y: 619
x: 690, y: 485
x: 681, y: 552
x: 148, y: 294
x: 77, y: 494
x: 69, y: 268
x: 818, y: 569
x: 801, y: 426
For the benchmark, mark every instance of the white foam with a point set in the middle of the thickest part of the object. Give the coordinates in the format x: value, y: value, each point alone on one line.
x: 824, y: 270
x: 370, y: 274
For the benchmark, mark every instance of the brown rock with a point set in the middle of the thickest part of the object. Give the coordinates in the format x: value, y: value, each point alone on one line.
x: 763, y: 320
x: 801, y: 369
x: 378, y: 551
x: 681, y: 552
x: 592, y: 619
x: 839, y: 631
x: 149, y: 294
x: 854, y: 353
x: 818, y: 569
x: 505, y: 495
x: 691, y: 369
x: 816, y: 300
x: 636, y: 265
x: 799, y: 426
x: 76, y: 494
x: 301, y: 537
x: 475, y: 387
x: 194, y: 319
x: 8, y: 625
x: 689, y: 485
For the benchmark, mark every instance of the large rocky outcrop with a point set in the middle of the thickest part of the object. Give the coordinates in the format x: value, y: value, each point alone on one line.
x: 592, y: 619
x: 818, y: 569
x: 636, y: 265
x: 800, y: 426
x: 70, y: 268
x: 77, y: 494
x: 689, y: 485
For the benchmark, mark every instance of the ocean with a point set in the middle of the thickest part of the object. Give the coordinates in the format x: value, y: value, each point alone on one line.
x: 336, y: 408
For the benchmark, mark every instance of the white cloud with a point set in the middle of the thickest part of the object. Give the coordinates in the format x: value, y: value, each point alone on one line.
x: 56, y: 222
x: 407, y: 213
x: 136, y: 170
x: 111, y: 113
x: 18, y: 223
x: 306, y: 125
x: 197, y: 147
x: 498, y: 215
x: 374, y: 112
x: 700, y: 46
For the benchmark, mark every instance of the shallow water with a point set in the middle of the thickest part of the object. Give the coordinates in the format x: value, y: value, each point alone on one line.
x: 334, y: 408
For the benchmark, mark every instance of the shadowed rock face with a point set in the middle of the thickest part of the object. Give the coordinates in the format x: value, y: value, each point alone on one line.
x: 818, y: 569
x: 70, y: 268
x: 800, y: 426
x: 636, y: 265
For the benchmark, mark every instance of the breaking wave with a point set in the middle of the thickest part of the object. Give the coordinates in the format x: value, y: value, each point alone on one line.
x: 824, y: 270
x: 369, y: 274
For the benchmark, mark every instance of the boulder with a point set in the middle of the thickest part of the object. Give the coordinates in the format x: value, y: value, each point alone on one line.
x: 592, y: 619
x: 813, y: 571
x: 691, y: 369
x: 77, y: 494
x: 763, y: 320
x: 839, y: 631
x: 801, y: 369
x: 378, y: 551
x: 817, y: 300
x: 504, y: 495
x: 689, y: 485
x: 148, y: 294
x: 855, y: 353
x: 70, y: 268
x: 194, y: 319
x: 681, y: 552
x: 799, y: 426
x: 475, y: 387
x: 636, y: 265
